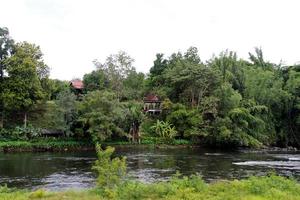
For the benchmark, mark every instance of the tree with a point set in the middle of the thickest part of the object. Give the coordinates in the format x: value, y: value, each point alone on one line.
x: 192, y: 55
x: 101, y: 114
x: 231, y: 69
x: 187, y: 122
x: 191, y: 82
x: 259, y: 61
x: 291, y: 127
x: 25, y: 69
x: 6, y: 49
x: 48, y: 116
x: 156, y: 78
x: 133, y: 118
x: 95, y: 80
x: 266, y: 88
x: 116, y: 68
x: 53, y: 87
x: 133, y: 86
x: 66, y: 101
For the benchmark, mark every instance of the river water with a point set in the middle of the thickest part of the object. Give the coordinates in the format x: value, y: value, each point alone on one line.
x: 72, y: 170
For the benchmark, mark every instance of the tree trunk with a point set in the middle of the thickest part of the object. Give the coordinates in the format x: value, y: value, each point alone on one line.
x: 135, y: 133
x: 193, y: 98
x: 25, y: 120
x: 139, y: 136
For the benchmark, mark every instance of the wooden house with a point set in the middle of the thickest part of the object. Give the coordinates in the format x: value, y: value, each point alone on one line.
x: 77, y: 86
x: 152, y: 104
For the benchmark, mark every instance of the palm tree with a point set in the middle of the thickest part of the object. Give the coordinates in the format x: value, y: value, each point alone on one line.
x: 135, y: 118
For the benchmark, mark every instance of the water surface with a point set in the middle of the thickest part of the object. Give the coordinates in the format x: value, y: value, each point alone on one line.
x: 65, y: 170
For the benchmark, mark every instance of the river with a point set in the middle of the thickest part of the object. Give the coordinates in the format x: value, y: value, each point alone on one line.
x: 72, y: 170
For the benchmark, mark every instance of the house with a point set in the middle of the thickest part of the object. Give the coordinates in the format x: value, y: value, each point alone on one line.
x: 77, y: 86
x: 152, y: 104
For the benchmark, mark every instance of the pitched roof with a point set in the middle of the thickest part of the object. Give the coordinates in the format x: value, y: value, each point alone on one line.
x: 77, y: 84
x: 151, y: 98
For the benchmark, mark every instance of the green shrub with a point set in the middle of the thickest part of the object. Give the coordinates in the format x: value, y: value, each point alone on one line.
x: 20, y: 133
x: 38, y: 194
x: 111, y: 172
x: 146, y: 125
x: 164, y: 130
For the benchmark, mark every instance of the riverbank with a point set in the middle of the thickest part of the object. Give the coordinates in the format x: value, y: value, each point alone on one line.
x: 41, y: 145
x: 71, y: 144
x: 60, y: 144
x: 255, y: 188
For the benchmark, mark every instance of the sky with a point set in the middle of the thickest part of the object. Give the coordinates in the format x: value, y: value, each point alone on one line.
x: 73, y: 33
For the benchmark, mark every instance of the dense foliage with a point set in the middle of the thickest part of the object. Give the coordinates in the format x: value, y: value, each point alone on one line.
x: 225, y: 101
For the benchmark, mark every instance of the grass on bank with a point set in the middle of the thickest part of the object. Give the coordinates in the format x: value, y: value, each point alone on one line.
x: 58, y: 144
x: 255, y: 188
x: 43, y: 144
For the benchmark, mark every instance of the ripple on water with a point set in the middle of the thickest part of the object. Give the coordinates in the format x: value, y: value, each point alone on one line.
x: 213, y: 154
x: 151, y: 175
x: 290, y: 157
x: 65, y: 158
x: 293, y: 165
x: 62, y: 181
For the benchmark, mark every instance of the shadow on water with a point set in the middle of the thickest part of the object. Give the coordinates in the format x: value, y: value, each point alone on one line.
x: 58, y: 171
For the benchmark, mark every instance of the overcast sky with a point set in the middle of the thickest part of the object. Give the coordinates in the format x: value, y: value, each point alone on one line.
x: 73, y: 33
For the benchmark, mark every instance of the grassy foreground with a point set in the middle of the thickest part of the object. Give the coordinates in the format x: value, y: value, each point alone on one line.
x: 255, y: 188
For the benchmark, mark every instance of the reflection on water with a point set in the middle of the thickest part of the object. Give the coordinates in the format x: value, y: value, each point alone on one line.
x: 58, y: 171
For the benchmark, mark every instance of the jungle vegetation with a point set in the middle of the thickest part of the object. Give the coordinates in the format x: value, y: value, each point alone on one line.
x: 224, y: 101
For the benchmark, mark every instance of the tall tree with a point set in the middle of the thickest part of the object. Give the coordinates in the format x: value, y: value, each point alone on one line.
x: 95, y: 80
x: 156, y: 78
x: 66, y: 101
x: 133, y: 86
x: 100, y: 113
x: 25, y: 69
x: 191, y: 81
x: 192, y: 55
x: 133, y: 120
x: 258, y: 59
x: 116, y: 68
x: 291, y: 129
x: 6, y: 48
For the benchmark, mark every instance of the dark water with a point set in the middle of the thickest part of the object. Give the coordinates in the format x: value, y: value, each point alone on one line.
x: 58, y: 171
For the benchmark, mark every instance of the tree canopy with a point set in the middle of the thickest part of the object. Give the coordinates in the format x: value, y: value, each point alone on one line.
x: 224, y: 101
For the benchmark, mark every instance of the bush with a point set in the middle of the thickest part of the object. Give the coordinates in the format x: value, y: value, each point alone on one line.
x: 20, y: 133
x: 111, y: 172
x: 164, y: 130
x: 38, y: 194
x: 187, y: 122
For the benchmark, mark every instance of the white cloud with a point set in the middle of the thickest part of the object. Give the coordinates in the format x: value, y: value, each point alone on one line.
x: 73, y: 33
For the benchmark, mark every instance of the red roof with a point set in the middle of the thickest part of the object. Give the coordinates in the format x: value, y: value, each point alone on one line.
x: 151, y: 98
x: 77, y: 84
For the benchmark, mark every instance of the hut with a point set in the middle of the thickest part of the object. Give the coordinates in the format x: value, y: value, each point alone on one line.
x: 77, y: 87
x: 152, y: 104
x: 77, y: 84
